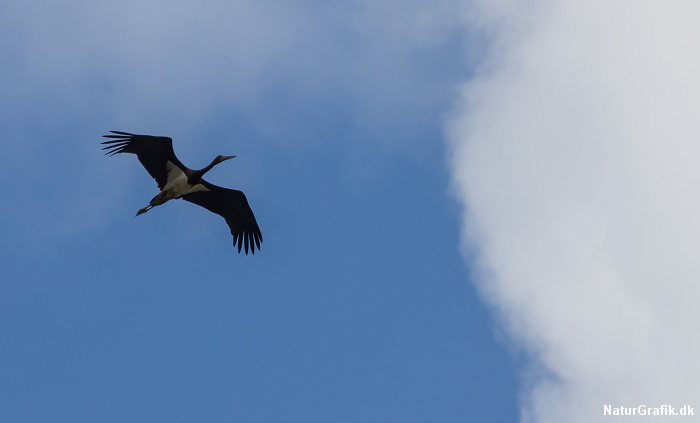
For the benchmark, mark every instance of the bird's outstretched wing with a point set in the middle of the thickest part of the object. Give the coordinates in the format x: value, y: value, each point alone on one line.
x: 153, y: 152
x: 232, y: 205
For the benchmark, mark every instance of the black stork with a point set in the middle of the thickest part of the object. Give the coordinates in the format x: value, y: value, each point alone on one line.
x: 175, y: 180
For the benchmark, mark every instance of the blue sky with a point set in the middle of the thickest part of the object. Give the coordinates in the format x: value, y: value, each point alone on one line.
x: 359, y: 307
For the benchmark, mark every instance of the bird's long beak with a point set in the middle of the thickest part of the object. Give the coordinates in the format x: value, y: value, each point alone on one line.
x: 227, y: 157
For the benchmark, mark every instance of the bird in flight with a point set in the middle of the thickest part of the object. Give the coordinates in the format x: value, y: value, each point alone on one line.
x: 175, y: 180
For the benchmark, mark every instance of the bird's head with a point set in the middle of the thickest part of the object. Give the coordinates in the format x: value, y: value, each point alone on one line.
x: 221, y: 158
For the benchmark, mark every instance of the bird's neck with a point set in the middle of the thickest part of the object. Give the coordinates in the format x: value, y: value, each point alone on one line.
x: 209, y: 167
x: 197, y: 175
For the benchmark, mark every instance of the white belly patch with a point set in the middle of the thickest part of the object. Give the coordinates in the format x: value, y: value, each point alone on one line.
x: 176, y: 178
x: 177, y: 184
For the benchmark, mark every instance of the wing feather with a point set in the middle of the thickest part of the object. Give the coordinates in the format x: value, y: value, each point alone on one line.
x: 233, y: 206
x: 153, y: 152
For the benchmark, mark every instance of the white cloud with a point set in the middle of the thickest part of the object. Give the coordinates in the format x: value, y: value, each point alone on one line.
x: 182, y: 61
x: 576, y: 155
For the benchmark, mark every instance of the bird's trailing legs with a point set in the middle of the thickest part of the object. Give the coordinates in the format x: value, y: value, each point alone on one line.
x: 162, y: 197
x: 144, y: 210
